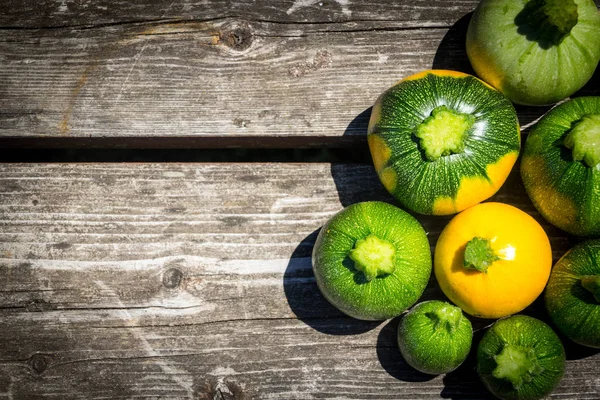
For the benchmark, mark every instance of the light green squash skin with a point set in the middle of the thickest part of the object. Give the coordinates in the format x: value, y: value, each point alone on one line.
x: 527, y: 332
x: 420, y: 182
x: 522, y: 69
x: 564, y: 191
x: 573, y: 309
x: 346, y: 287
x: 434, y: 346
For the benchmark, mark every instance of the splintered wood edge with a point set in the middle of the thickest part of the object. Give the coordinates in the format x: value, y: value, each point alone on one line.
x: 186, y: 279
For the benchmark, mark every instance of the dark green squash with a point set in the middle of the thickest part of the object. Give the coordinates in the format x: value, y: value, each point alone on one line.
x: 443, y: 141
x: 561, y: 166
x: 573, y: 294
x: 435, y: 337
x: 520, y: 358
x: 372, y: 260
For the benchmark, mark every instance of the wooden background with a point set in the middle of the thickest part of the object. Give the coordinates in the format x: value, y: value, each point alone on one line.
x: 193, y: 280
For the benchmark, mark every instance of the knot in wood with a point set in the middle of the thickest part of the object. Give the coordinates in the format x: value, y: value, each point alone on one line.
x: 172, y: 278
x: 38, y: 305
x: 221, y: 389
x: 238, y: 38
x: 38, y: 363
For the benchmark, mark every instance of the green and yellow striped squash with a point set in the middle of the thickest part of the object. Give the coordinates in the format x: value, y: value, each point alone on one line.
x: 561, y: 166
x: 443, y: 141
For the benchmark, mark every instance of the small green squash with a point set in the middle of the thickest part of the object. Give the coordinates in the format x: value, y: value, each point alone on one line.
x: 561, y: 166
x: 443, y: 141
x: 372, y: 260
x: 535, y: 51
x: 520, y: 358
x: 435, y: 337
x: 573, y: 294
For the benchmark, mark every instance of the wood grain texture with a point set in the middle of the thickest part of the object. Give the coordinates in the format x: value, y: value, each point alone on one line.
x: 194, y: 281
x: 31, y: 14
x: 218, y: 73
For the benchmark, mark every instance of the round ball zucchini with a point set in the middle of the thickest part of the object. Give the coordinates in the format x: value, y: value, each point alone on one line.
x: 520, y: 358
x: 536, y: 51
x: 573, y: 294
x: 442, y: 141
x: 372, y: 260
x: 561, y: 166
x: 435, y: 337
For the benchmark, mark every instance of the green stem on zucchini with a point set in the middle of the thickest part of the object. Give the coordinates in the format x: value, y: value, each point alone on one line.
x: 446, y: 318
x: 584, y: 140
x: 516, y: 364
x: 551, y: 20
x: 479, y: 254
x: 373, y: 256
x: 442, y: 133
x: 591, y: 283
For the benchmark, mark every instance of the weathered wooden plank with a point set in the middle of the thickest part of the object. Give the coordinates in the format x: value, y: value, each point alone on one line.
x: 58, y: 13
x: 185, y: 79
x: 186, y: 280
x: 220, y: 81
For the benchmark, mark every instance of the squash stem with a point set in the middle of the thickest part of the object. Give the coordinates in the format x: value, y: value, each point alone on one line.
x: 550, y: 20
x: 516, y: 364
x: 446, y: 318
x: 373, y: 256
x: 479, y: 254
x: 584, y: 140
x: 591, y: 283
x: 442, y: 133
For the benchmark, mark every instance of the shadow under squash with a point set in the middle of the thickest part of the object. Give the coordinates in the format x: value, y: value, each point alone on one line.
x: 355, y: 182
x: 452, y: 52
x: 307, y: 302
x: 463, y: 382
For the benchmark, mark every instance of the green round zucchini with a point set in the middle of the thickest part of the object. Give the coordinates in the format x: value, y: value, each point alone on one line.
x: 572, y: 296
x: 435, y: 337
x: 372, y: 260
x: 520, y: 358
x: 443, y: 141
x: 536, y: 51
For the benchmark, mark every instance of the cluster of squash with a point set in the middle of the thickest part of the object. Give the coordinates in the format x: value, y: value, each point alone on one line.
x: 442, y: 142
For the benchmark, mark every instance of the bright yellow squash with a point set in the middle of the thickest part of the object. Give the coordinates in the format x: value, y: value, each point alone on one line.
x: 492, y: 260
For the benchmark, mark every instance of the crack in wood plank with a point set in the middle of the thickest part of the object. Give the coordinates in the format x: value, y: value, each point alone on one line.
x: 405, y: 25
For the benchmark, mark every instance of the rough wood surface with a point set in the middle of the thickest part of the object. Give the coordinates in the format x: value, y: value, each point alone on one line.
x: 194, y: 281
x: 32, y: 14
x: 215, y: 73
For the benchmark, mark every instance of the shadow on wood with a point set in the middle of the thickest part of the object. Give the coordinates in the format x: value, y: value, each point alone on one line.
x: 359, y: 125
x: 356, y: 184
x: 592, y: 87
x: 463, y: 382
x: 307, y: 302
x: 452, y: 52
